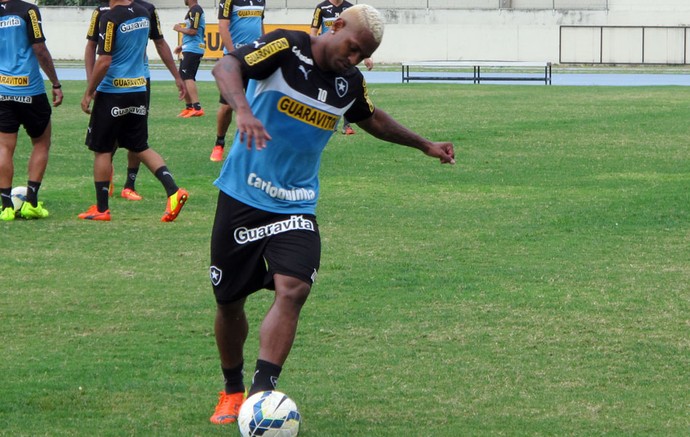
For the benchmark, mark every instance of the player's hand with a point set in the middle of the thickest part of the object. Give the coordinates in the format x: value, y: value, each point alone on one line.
x: 86, y: 102
x: 177, y: 27
x: 443, y: 151
x: 251, y: 130
x: 57, y: 97
x: 181, y: 88
x: 177, y: 50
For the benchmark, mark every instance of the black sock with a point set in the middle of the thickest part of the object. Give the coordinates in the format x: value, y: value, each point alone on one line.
x: 32, y: 188
x: 189, y: 105
x: 220, y: 141
x: 197, y: 106
x: 164, y: 175
x: 234, y: 379
x: 265, y: 377
x: 6, y: 194
x: 102, y: 195
x: 131, y: 177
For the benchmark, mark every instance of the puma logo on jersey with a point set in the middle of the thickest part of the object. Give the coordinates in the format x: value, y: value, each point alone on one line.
x: 304, y: 71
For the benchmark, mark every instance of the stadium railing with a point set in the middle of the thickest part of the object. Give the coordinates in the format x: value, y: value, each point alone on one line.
x: 476, y: 71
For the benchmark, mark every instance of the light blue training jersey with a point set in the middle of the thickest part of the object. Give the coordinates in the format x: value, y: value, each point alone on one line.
x: 246, y: 20
x: 299, y: 105
x: 20, y: 28
x: 125, y: 31
x: 195, y: 19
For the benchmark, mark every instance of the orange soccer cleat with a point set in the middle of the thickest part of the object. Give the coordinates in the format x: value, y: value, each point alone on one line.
x: 185, y: 112
x: 130, y: 194
x: 217, y: 153
x: 93, y: 214
x: 228, y: 407
x: 175, y: 204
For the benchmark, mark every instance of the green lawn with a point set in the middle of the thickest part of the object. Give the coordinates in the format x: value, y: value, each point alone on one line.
x: 539, y: 287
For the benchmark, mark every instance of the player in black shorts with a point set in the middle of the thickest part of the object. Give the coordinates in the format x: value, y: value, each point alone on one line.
x: 265, y: 233
x: 192, y: 49
x: 23, y: 102
x: 119, y: 117
x: 129, y: 191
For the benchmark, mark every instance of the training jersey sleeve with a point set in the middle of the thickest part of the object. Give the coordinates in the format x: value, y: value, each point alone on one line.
x: 195, y: 13
x: 363, y: 107
x: 155, y: 33
x: 92, y: 32
x: 317, y: 18
x: 106, y: 45
x: 34, y: 28
x: 225, y: 10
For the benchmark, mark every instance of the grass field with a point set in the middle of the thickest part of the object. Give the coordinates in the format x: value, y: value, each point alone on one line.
x: 540, y: 287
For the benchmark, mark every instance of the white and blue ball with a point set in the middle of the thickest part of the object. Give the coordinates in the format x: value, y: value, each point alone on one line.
x: 18, y: 197
x: 269, y: 414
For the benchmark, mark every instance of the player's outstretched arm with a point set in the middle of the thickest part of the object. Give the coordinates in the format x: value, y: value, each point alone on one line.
x: 383, y: 126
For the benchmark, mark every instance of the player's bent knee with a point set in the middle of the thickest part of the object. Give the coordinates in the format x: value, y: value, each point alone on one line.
x: 292, y: 290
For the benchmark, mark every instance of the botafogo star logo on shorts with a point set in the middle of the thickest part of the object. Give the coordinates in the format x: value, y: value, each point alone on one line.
x: 216, y: 275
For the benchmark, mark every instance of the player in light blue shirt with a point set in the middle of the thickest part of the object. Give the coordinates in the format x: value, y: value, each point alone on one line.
x: 192, y: 49
x: 265, y: 233
x: 239, y: 23
x: 119, y: 119
x: 23, y: 101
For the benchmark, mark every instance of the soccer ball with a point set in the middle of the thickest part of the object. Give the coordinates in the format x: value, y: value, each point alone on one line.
x: 269, y: 414
x: 18, y: 197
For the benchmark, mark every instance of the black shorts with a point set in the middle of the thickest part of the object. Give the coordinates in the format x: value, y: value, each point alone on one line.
x: 189, y: 65
x: 118, y: 119
x: 249, y: 246
x: 32, y: 112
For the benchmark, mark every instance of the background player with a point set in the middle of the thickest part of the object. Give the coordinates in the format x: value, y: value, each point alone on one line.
x: 118, y: 88
x: 129, y: 192
x: 240, y: 22
x: 193, y: 46
x: 23, y: 101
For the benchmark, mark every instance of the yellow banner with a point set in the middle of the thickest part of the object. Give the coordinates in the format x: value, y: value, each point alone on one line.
x: 214, y: 46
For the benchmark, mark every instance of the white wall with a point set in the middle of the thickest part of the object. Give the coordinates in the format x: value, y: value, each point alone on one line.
x: 430, y: 34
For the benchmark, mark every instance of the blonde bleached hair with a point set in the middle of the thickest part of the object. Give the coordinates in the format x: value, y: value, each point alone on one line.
x: 368, y: 17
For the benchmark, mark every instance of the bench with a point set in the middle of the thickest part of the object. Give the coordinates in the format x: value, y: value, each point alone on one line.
x: 507, y: 71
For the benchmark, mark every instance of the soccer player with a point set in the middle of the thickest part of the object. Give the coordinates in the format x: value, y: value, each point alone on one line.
x: 117, y: 87
x: 265, y: 233
x: 325, y: 14
x: 192, y: 49
x: 23, y: 101
x: 240, y: 22
x: 129, y: 191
